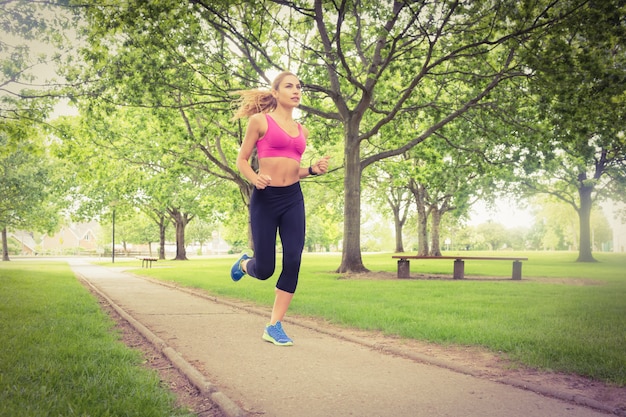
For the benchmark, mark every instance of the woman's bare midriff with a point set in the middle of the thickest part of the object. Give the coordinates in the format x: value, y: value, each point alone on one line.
x: 283, y: 171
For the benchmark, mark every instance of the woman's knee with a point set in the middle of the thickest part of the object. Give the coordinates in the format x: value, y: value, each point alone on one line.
x: 291, y: 265
x: 261, y: 271
x: 287, y: 285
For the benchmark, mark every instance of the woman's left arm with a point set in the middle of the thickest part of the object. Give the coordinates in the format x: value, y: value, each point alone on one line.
x: 318, y: 168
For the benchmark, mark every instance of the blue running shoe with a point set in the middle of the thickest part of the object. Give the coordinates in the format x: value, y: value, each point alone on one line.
x: 237, y: 272
x: 276, y: 335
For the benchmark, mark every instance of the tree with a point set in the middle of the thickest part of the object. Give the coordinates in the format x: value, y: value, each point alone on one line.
x: 32, y: 44
x: 387, y: 182
x: 581, y: 80
x: 359, y: 58
x: 118, y: 164
x: 99, y: 185
x: 201, y: 232
x: 494, y: 234
x: 560, y: 231
x: 142, y: 230
x: 444, y: 179
x: 371, y: 70
x: 158, y: 56
x: 559, y: 228
x: 27, y: 183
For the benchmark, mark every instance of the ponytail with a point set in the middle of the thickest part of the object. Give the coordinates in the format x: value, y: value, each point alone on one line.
x: 252, y: 102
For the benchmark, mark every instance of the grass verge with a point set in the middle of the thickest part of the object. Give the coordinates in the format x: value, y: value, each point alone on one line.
x: 563, y: 316
x: 60, y: 354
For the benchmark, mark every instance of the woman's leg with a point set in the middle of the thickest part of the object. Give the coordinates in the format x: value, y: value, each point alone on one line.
x: 283, y: 210
x: 281, y: 305
x: 292, y: 229
x: 264, y: 223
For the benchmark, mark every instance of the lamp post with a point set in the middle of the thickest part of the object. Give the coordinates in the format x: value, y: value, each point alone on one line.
x: 113, y: 239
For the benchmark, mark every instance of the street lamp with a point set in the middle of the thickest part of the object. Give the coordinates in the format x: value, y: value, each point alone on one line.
x: 113, y: 239
x: 113, y: 204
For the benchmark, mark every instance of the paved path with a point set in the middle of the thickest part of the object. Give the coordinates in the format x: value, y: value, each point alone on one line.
x: 220, y: 345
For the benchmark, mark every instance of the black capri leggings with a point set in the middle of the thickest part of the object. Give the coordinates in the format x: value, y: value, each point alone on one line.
x: 277, y: 209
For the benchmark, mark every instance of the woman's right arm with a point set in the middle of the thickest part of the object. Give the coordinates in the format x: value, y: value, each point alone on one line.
x: 254, y: 131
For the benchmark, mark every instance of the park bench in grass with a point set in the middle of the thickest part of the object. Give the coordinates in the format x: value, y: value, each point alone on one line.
x: 459, y: 264
x: 147, y: 261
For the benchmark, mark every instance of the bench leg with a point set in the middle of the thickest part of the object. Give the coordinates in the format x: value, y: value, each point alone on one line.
x: 404, y: 269
x: 517, y: 270
x: 459, y: 269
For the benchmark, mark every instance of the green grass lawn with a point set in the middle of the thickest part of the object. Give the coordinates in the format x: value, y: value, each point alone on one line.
x: 60, y: 355
x: 562, y: 316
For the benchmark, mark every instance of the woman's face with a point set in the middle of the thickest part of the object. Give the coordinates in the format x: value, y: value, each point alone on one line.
x: 289, y: 91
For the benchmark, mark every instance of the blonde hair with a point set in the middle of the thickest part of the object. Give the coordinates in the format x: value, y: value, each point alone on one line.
x: 257, y: 101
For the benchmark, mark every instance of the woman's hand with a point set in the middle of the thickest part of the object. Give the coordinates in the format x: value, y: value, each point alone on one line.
x: 321, y: 166
x: 262, y: 181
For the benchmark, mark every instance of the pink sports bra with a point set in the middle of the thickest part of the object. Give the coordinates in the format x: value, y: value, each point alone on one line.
x: 278, y: 143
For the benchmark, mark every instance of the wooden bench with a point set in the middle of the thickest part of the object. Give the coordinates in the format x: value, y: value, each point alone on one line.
x: 146, y: 261
x: 459, y: 264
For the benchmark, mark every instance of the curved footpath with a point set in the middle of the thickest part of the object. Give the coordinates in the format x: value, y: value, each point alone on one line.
x: 218, y: 346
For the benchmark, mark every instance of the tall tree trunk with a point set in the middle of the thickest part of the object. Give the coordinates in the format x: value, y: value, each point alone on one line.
x: 422, y: 217
x: 351, y: 260
x: 5, y: 245
x: 398, y: 225
x: 435, y: 246
x: 437, y: 210
x: 584, y: 218
x: 399, y: 216
x: 181, y: 252
x: 162, y: 229
x: 422, y: 232
x: 180, y: 222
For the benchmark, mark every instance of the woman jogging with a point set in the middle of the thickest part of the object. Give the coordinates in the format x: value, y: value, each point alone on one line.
x: 277, y: 204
